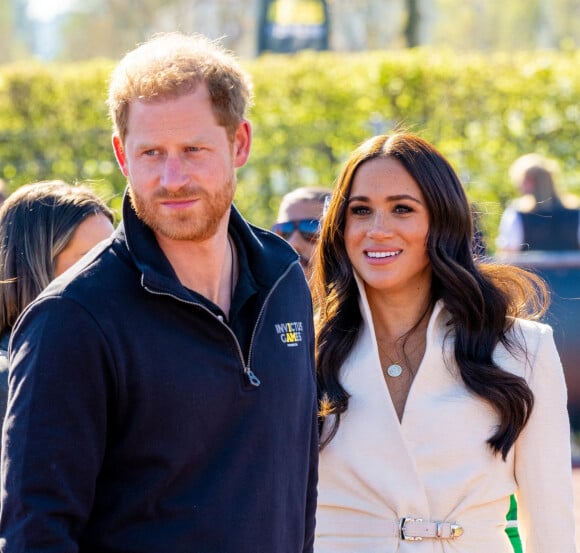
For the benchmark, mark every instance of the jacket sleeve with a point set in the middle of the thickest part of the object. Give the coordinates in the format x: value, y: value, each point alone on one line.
x: 543, y: 459
x: 55, y: 428
x: 311, y: 500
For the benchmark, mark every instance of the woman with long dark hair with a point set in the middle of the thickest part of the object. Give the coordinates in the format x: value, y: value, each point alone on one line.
x: 441, y: 395
x: 45, y: 227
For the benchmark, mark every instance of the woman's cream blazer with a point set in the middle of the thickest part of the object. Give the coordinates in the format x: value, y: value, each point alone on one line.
x: 436, y: 464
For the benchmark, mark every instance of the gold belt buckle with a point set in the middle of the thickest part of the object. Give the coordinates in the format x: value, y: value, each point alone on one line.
x: 456, y: 530
x: 402, y: 524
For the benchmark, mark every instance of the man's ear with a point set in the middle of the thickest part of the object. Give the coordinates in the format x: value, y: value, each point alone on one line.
x: 120, y: 154
x: 242, y: 143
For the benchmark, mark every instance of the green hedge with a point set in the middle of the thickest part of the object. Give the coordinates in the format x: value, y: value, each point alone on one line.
x: 312, y: 109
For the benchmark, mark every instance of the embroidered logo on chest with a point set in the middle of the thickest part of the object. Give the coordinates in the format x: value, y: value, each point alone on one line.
x: 290, y: 333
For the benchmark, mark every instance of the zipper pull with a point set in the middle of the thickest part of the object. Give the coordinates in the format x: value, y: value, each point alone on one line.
x: 254, y: 380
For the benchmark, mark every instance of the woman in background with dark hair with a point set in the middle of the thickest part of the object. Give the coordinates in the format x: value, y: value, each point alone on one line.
x: 44, y: 228
x: 440, y: 395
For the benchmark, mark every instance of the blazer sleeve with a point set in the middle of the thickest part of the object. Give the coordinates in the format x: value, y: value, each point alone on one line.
x: 543, y: 458
x: 55, y: 429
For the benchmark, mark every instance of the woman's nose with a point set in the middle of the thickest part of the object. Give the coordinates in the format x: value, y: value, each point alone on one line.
x: 380, y: 225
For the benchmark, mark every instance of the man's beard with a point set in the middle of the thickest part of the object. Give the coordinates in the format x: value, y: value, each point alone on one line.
x: 191, y: 224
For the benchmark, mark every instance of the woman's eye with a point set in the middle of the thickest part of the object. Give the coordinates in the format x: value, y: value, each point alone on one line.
x: 359, y: 210
x: 403, y: 209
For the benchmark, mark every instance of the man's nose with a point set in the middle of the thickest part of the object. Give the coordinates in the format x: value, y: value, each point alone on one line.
x: 295, y: 240
x: 174, y: 175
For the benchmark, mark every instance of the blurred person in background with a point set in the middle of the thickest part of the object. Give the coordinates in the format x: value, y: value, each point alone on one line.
x: 540, y: 219
x: 298, y: 221
x: 45, y: 227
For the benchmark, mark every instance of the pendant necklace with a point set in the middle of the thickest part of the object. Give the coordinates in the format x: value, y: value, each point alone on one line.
x: 411, y: 356
x: 395, y: 369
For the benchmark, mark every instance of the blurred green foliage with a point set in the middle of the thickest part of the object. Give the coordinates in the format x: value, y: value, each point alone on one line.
x: 311, y: 109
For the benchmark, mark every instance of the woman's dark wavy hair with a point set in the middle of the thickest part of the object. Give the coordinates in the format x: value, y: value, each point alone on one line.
x: 37, y: 221
x: 482, y: 298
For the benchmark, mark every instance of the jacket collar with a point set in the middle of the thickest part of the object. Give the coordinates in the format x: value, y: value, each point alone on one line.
x: 267, y: 255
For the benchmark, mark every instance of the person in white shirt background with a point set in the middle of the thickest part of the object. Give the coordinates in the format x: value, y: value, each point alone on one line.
x: 541, y: 218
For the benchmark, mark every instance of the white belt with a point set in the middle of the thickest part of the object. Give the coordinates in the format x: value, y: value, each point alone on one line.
x: 416, y: 529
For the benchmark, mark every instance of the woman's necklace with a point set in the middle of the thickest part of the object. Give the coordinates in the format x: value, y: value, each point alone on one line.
x: 396, y: 368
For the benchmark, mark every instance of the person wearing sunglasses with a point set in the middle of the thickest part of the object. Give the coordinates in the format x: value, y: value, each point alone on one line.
x: 298, y: 220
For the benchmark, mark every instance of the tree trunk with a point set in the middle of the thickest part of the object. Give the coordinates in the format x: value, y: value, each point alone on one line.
x: 413, y: 22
